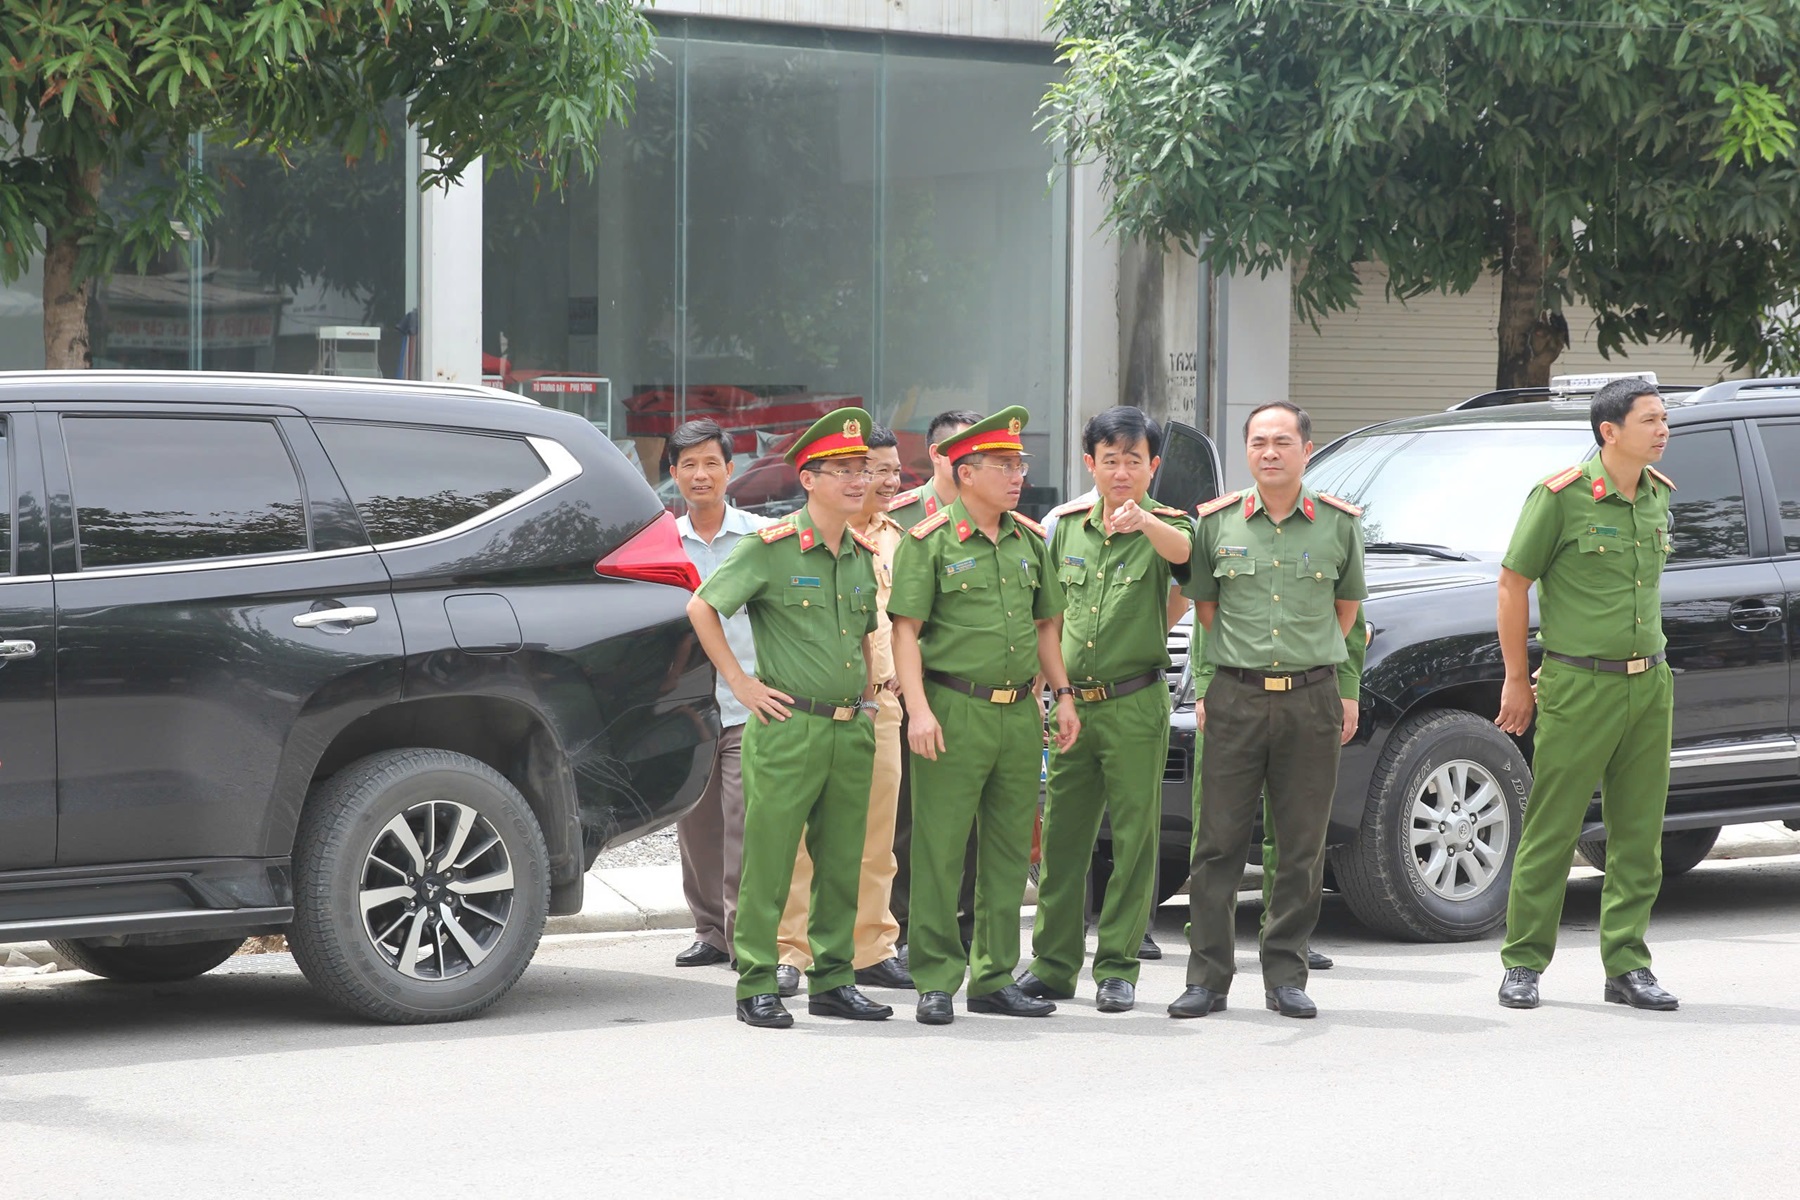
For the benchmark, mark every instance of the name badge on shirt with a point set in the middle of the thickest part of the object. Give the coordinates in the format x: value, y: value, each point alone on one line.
x: 1074, y: 560
x: 1234, y: 552
x: 803, y: 581
x: 1607, y: 530
x: 957, y: 568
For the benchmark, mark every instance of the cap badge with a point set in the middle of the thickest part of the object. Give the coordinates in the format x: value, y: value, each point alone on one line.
x: 852, y: 428
x: 1013, y: 426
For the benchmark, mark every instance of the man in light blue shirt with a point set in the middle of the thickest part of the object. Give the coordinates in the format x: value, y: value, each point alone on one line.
x: 712, y: 835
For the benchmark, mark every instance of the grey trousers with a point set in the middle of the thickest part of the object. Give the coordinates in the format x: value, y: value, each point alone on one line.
x: 1287, y: 742
x: 712, y: 845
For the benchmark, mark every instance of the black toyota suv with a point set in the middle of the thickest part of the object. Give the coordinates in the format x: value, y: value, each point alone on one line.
x: 380, y: 666
x: 1430, y: 794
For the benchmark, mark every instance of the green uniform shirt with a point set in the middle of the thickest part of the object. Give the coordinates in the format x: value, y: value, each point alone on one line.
x: 1597, y: 559
x: 909, y: 508
x: 980, y: 601
x: 809, y: 611
x: 1276, y: 584
x: 1116, y: 626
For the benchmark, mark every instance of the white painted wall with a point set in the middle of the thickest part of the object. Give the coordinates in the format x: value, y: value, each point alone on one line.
x: 1093, y: 374
x: 450, y: 281
x: 1252, y: 364
x: 999, y: 20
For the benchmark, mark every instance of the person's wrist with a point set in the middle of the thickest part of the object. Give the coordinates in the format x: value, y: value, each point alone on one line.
x: 1061, y: 692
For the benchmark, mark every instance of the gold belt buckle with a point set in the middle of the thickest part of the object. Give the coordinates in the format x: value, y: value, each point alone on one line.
x: 1091, y: 694
x: 843, y: 714
x: 1284, y: 683
x: 1636, y: 666
x: 1002, y: 695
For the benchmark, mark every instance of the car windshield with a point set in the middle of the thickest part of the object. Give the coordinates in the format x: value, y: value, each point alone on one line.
x: 1456, y: 488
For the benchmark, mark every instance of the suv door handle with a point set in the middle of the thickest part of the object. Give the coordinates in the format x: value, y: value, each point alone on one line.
x: 11, y: 650
x: 1752, y: 615
x: 335, y: 616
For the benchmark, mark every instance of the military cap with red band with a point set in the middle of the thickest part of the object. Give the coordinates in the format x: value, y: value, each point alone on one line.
x: 998, y: 432
x: 837, y: 434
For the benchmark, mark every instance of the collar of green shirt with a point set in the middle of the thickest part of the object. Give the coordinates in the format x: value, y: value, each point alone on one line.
x: 1308, y: 506
x: 963, y: 525
x: 1600, y: 486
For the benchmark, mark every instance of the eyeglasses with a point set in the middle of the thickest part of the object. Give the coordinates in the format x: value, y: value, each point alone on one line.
x: 865, y: 475
x: 1016, y: 468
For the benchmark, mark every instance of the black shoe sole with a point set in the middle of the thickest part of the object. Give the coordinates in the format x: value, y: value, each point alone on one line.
x: 934, y: 1018
x: 1616, y: 997
x: 1151, y: 956
x: 1298, y: 1014
x: 979, y: 1004
x: 782, y: 1022
x: 1508, y: 1002
x: 701, y: 962
x: 827, y: 1010
x: 1115, y: 1005
x: 1218, y: 1005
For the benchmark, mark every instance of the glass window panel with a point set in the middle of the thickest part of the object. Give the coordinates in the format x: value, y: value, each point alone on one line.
x: 409, y: 481
x: 1781, y: 445
x: 160, y: 489
x: 6, y: 501
x: 1706, y: 513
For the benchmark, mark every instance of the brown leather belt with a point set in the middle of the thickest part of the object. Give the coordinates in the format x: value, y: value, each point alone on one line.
x: 1280, y: 683
x: 818, y: 708
x: 1007, y: 695
x: 1618, y: 666
x: 1091, y: 692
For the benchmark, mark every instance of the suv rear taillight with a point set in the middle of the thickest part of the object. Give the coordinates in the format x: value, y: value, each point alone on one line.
x: 654, y: 555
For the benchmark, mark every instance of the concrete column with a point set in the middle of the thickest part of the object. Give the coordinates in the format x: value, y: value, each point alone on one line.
x: 1093, y: 376
x: 450, y: 245
x: 1255, y: 315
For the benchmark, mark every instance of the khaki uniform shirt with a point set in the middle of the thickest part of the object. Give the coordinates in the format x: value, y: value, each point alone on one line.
x: 1116, y: 626
x: 809, y: 611
x: 979, y: 600
x: 1598, y: 561
x: 886, y: 534
x: 1277, y: 584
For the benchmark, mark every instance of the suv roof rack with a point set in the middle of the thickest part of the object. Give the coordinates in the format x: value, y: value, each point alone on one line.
x: 473, y: 390
x: 1734, y: 389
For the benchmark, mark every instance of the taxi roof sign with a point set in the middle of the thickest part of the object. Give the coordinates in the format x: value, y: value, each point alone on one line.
x: 1568, y: 384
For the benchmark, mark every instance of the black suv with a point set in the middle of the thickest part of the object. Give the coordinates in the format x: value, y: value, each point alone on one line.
x: 1430, y: 794
x: 381, y: 666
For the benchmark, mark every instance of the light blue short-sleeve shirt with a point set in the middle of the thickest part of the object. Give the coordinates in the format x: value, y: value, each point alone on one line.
x: 706, y: 557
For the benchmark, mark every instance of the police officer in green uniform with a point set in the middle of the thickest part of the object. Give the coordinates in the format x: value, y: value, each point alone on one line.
x: 1115, y: 557
x: 972, y: 605
x: 1277, y: 581
x: 1594, y: 538
x: 809, y: 583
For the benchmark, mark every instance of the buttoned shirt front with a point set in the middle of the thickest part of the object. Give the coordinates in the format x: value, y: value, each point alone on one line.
x: 979, y: 600
x: 1276, y: 582
x: 1598, y: 560
x: 1116, y: 586
x: 706, y: 557
x: 809, y: 610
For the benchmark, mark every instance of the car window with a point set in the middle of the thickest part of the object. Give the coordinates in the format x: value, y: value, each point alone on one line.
x: 1706, y: 514
x: 6, y: 500
x: 180, y: 489
x: 1781, y: 445
x: 409, y: 481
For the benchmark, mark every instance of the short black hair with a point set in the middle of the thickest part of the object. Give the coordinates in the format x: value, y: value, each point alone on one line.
x: 951, y: 419
x: 690, y: 434
x: 1614, y: 401
x: 1122, y: 426
x: 1300, y: 417
x: 881, y: 436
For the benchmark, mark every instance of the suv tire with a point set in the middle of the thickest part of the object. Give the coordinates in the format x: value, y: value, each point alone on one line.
x: 421, y: 886
x: 1457, y: 766
x: 147, y: 964
x: 1682, y: 850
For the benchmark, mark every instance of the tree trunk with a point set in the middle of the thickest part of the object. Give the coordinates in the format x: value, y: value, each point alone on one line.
x: 1531, y: 335
x: 66, y: 300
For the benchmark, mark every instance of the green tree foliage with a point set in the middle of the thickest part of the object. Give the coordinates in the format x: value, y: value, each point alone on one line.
x: 92, y: 88
x: 1637, y: 155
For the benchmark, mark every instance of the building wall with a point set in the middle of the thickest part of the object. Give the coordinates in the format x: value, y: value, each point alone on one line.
x: 1000, y: 20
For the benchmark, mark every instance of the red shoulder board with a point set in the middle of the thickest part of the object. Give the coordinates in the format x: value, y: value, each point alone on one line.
x: 1667, y: 482
x: 1028, y: 523
x: 864, y: 540
x: 1563, y: 479
x: 1341, y: 505
x: 1219, y: 505
x: 777, y: 531
x: 935, y: 520
x: 1073, y: 506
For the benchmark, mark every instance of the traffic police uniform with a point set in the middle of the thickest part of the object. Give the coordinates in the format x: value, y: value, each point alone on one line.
x: 1598, y: 560
x: 1116, y: 647
x: 1272, y: 718
x: 809, y: 613
x: 979, y: 602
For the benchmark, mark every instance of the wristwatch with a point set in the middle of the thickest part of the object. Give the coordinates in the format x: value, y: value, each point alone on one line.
x: 1062, y: 691
x: 868, y: 706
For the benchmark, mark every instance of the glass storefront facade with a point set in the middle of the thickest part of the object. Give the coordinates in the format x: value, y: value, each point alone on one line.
x: 795, y: 220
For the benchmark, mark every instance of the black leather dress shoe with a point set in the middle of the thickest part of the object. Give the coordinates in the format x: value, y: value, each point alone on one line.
x: 1197, y: 1001
x: 935, y: 1009
x: 1639, y: 989
x: 787, y: 980
x: 1115, y: 995
x: 1148, y: 948
x: 848, y: 1003
x: 1519, y: 989
x: 701, y: 955
x: 1011, y: 1001
x: 1032, y: 986
x: 1290, y: 1002
x: 765, y: 1012
x: 1318, y: 962
x: 888, y: 973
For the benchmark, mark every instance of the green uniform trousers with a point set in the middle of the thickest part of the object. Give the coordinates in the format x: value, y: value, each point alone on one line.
x: 986, y: 778
x: 1288, y: 743
x: 1614, y: 730
x: 1270, y: 855
x: 1114, y: 769
x: 811, y: 774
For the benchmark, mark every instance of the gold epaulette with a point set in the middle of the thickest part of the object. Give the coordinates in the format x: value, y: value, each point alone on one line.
x: 1563, y: 479
x: 1073, y: 506
x: 935, y: 520
x: 1028, y: 523
x: 1219, y: 505
x: 864, y: 540
x: 1163, y: 510
x: 1342, y: 505
x: 777, y: 531
x: 1667, y: 482
x: 903, y: 499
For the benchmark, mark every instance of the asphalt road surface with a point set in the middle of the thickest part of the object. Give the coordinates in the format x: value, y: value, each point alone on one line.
x: 608, y: 1072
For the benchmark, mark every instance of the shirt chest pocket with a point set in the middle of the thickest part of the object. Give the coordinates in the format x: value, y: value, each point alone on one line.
x: 858, y: 602
x: 804, y: 596
x: 1600, y: 541
x: 1072, y: 577
x: 1233, y: 567
x: 1317, y: 573
x: 958, y: 577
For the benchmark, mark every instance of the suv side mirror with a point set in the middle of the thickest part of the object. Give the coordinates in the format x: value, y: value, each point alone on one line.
x: 1190, y: 473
